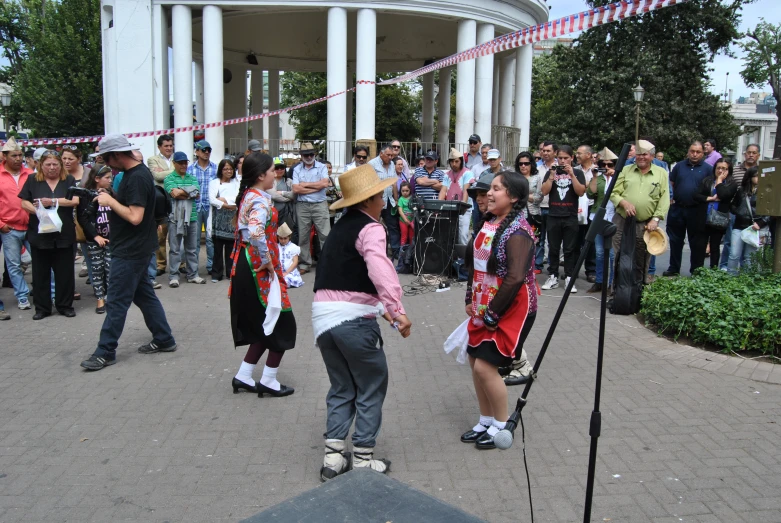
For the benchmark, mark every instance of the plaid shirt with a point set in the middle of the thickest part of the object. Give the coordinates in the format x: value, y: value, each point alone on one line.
x: 204, y: 176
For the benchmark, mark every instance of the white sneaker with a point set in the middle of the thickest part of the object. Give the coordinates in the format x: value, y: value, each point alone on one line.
x: 566, y: 282
x: 197, y: 280
x: 173, y: 284
x: 551, y: 283
x: 156, y: 285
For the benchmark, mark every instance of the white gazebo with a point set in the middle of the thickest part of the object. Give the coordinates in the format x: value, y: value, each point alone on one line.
x: 225, y: 39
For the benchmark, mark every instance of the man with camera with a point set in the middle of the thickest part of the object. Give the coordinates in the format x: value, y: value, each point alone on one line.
x: 133, y: 241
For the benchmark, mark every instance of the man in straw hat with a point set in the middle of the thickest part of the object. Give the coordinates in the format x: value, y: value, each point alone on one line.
x: 641, y: 191
x: 14, y: 219
x: 310, y: 182
x: 355, y: 284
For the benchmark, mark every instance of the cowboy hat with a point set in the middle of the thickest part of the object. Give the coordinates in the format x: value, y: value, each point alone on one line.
x: 607, y: 154
x: 306, y: 148
x: 656, y: 241
x: 360, y: 184
x: 284, y: 231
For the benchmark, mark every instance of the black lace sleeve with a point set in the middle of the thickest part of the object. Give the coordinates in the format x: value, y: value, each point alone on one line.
x: 469, y: 262
x: 520, y: 255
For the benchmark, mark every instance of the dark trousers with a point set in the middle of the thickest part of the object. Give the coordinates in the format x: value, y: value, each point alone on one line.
x: 683, y: 222
x: 394, y: 231
x: 562, y: 229
x: 44, y: 261
x: 222, y: 252
x: 130, y: 283
x: 539, y: 255
x: 590, y: 264
x: 714, y: 240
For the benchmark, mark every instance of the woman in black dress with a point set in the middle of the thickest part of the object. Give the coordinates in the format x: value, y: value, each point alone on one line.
x: 51, y: 251
x: 255, y: 265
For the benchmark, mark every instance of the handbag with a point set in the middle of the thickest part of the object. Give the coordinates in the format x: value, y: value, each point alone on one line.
x: 80, y: 237
x: 750, y: 236
x: 717, y: 219
x: 48, y: 219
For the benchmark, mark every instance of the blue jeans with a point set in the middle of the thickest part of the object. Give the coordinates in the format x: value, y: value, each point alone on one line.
x: 13, y: 241
x: 129, y: 284
x: 539, y: 256
x: 152, y: 269
x: 203, y: 219
x: 739, y: 253
x: 724, y: 262
x: 599, y: 245
x: 87, y: 260
x: 652, y: 266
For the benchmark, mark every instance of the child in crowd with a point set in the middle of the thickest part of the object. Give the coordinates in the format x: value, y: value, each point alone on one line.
x: 405, y: 214
x: 288, y: 256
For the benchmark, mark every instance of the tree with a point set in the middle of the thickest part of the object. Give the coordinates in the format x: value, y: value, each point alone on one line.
x: 763, y: 65
x: 396, y: 107
x: 583, y: 94
x: 55, y: 65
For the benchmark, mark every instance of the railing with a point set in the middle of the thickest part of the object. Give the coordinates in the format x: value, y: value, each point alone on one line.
x: 508, y: 141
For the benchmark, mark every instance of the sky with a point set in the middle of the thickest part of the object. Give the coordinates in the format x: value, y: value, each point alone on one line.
x: 770, y: 10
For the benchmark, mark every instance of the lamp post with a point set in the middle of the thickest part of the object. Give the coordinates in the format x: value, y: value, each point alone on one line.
x: 5, y: 99
x: 638, y: 93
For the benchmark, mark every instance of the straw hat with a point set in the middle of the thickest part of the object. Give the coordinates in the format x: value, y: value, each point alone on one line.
x: 607, y: 154
x: 359, y: 184
x: 284, y: 231
x: 656, y: 241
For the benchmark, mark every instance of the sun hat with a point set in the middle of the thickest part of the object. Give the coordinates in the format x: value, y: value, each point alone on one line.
x: 11, y: 145
x: 200, y: 145
x: 284, y: 231
x: 114, y: 143
x: 493, y: 154
x: 607, y: 154
x: 455, y: 154
x: 656, y: 241
x: 254, y: 146
x: 483, y: 184
x: 179, y: 156
x: 359, y: 184
x: 306, y: 148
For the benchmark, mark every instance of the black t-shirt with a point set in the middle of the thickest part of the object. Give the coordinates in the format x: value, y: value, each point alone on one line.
x: 135, y: 241
x: 562, y: 198
x: 33, y: 190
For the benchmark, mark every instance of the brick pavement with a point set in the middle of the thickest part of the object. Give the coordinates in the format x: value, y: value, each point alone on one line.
x: 688, y: 435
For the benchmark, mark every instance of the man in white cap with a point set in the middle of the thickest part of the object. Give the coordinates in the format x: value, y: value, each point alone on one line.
x: 13, y: 219
x: 133, y: 241
x: 640, y: 191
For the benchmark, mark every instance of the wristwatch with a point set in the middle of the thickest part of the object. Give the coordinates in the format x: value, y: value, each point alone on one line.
x: 656, y: 219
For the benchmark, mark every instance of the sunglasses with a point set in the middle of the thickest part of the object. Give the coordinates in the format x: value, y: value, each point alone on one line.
x: 70, y: 147
x: 308, y: 155
x: 360, y: 157
x: 609, y: 164
x: 279, y: 167
x: 396, y: 146
x: 521, y: 164
x: 206, y: 150
x: 473, y: 143
x: 50, y: 153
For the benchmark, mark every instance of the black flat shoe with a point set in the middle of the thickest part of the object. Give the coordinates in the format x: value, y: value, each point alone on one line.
x: 470, y: 436
x: 100, y: 310
x: 238, y: 384
x: 68, y: 313
x: 668, y: 274
x: 511, y: 380
x: 485, y: 442
x: 41, y: 315
x: 284, y: 390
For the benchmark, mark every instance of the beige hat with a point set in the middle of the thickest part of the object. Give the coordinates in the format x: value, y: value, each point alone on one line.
x: 455, y: 154
x: 644, y: 146
x: 11, y: 145
x: 656, y: 241
x: 607, y: 154
x: 359, y: 184
x: 284, y: 231
x: 306, y: 148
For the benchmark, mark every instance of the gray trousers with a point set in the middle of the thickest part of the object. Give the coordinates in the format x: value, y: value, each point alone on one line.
x: 176, y: 242
x: 308, y: 214
x: 356, y: 365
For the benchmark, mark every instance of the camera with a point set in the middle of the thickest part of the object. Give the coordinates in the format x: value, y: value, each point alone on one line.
x: 601, y: 170
x: 560, y: 169
x: 81, y: 192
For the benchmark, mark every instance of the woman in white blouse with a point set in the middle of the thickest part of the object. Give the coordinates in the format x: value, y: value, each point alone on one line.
x: 222, y: 197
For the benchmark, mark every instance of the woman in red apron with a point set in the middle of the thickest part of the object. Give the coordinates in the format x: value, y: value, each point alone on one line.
x: 501, y: 295
x: 255, y: 257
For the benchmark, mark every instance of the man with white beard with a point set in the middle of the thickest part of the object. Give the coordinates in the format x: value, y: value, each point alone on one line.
x: 310, y: 181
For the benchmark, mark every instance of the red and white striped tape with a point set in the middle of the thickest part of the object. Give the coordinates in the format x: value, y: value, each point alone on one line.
x: 555, y: 28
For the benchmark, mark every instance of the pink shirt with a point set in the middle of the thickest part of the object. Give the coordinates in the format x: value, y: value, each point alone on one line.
x: 371, y: 245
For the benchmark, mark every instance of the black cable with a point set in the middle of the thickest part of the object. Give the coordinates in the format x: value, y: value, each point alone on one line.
x: 526, y: 466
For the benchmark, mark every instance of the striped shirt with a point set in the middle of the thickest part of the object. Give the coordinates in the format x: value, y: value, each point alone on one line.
x: 204, y: 176
x: 177, y: 181
x: 427, y: 193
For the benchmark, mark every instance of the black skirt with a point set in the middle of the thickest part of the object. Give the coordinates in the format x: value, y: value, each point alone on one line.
x: 488, y: 352
x: 248, y: 314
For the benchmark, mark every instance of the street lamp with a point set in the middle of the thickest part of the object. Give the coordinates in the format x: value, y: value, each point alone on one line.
x: 638, y: 92
x: 5, y: 99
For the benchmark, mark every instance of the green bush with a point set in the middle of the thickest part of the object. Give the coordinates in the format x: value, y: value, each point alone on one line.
x: 731, y: 312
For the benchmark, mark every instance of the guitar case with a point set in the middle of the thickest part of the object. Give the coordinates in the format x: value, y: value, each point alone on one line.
x: 626, y: 299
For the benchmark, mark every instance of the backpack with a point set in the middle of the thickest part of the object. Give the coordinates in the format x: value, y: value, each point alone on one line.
x: 163, y: 204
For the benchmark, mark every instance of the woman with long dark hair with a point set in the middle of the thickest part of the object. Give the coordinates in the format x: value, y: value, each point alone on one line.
x: 255, y: 265
x: 501, y: 299
x: 222, y: 199
x: 717, y: 191
x: 744, y: 207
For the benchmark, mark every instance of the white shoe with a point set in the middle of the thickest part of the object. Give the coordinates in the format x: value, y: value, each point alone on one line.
x: 363, y: 457
x: 197, y: 280
x: 551, y: 283
x: 173, y: 284
x: 574, y: 289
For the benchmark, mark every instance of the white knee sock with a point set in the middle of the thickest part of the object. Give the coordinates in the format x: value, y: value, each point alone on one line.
x: 245, y: 373
x: 269, y: 378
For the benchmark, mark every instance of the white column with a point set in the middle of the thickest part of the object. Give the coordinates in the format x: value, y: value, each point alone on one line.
x: 427, y: 128
x: 346, y: 153
x: 256, y: 86
x: 273, y: 105
x: 484, y: 85
x: 162, y: 114
x: 337, y: 81
x: 365, y: 69
x: 110, y: 76
x: 182, y: 31
x: 443, y: 110
x: 465, y: 93
x: 213, y: 90
x: 495, y: 96
x: 506, y: 91
x: 198, y: 81
x: 523, y: 91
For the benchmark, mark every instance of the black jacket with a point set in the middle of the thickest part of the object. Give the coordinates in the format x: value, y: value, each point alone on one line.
x: 725, y: 191
x: 743, y: 217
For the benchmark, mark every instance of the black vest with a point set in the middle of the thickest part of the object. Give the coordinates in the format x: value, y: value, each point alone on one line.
x: 341, y: 267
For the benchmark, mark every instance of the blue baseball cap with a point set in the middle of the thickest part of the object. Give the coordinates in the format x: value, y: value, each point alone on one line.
x: 203, y: 144
x: 179, y: 156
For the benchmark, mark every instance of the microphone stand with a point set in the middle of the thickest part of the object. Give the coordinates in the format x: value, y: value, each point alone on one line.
x: 598, y: 226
